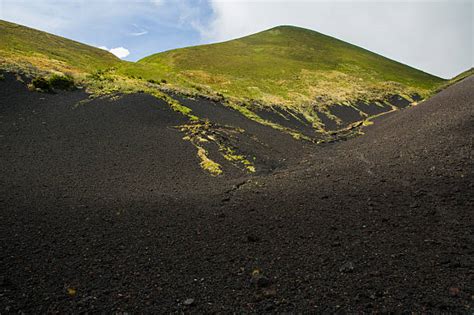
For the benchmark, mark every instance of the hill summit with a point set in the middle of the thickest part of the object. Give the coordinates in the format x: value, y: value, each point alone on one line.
x: 292, y: 66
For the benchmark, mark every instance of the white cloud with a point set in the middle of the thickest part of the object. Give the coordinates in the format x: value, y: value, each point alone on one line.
x: 432, y: 35
x: 120, y: 52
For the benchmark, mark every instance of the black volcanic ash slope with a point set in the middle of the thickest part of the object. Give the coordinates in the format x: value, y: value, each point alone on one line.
x: 104, y: 209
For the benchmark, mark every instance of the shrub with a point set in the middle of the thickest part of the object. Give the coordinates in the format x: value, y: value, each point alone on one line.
x: 62, y: 82
x: 42, y: 84
x: 99, y: 75
x: 2, y: 77
x: 164, y: 81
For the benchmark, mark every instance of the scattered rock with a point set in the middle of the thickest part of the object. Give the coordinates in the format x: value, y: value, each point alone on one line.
x: 454, y: 292
x: 263, y: 282
x: 71, y: 292
x: 188, y: 302
x: 252, y: 238
x: 259, y: 280
x: 5, y: 282
x: 269, y: 292
x: 347, y: 267
x: 414, y: 205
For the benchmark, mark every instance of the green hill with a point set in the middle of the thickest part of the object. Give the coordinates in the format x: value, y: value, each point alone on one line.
x: 24, y: 46
x: 299, y: 82
x: 286, y: 65
x: 291, y: 66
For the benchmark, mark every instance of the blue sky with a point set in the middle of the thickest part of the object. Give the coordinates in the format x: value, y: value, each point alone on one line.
x: 434, y: 36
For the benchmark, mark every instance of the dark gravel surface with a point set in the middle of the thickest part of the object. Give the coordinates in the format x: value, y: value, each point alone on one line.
x: 103, y: 208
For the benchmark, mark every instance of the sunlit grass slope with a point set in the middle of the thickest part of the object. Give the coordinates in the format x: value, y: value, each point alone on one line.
x: 25, y: 46
x: 288, y: 65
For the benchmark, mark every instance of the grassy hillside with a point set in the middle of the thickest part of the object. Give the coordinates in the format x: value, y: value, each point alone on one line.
x: 25, y: 47
x: 299, y: 82
x: 288, y: 65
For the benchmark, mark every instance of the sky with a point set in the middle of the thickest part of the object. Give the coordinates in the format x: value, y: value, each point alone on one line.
x: 435, y: 36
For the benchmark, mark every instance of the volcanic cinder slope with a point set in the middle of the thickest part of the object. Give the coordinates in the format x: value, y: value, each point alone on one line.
x: 105, y: 208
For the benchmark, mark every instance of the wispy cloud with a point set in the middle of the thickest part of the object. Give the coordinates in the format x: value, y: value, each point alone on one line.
x: 139, y: 31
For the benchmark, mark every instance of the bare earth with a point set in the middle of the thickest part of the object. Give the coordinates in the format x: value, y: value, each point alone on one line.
x: 103, y: 208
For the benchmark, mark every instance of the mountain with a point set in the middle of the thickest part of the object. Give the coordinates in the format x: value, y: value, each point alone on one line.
x: 156, y: 187
x: 291, y: 66
x: 27, y: 47
x: 296, y: 81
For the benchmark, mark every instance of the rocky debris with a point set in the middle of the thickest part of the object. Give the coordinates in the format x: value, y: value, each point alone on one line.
x: 252, y: 238
x: 188, y: 302
x: 259, y: 280
x: 347, y: 267
x: 454, y: 292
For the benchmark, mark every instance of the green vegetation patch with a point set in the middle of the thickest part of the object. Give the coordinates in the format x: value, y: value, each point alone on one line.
x: 203, y: 132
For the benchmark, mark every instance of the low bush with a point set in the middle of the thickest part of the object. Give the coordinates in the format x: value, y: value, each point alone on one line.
x: 42, y: 84
x: 62, y: 82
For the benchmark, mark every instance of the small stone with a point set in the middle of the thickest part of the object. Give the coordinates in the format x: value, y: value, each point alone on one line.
x: 269, y: 292
x: 414, y: 205
x: 347, y: 267
x: 253, y: 238
x: 454, y: 292
x: 188, y: 302
x: 71, y: 292
x: 261, y: 281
